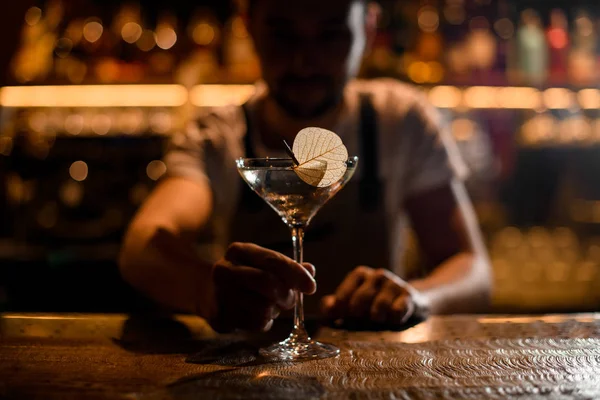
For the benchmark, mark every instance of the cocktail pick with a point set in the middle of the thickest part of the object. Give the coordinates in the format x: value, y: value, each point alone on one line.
x: 288, y: 150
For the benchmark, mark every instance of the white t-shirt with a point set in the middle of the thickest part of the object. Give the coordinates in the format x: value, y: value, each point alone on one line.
x: 416, y: 154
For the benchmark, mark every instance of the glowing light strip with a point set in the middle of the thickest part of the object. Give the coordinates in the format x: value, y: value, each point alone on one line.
x: 94, y: 96
x: 220, y: 95
x: 477, y: 97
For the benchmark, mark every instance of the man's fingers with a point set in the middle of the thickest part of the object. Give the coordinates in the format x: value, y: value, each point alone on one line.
x: 362, y: 299
x: 382, y: 305
x: 256, y: 280
x: 310, y: 268
x: 292, y: 274
x: 402, y: 309
x: 345, y: 291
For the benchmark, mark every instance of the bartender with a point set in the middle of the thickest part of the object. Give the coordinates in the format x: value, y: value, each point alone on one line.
x: 203, y: 243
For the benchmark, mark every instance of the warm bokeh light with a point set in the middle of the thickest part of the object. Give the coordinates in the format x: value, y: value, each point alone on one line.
x: 147, y: 40
x: 589, y: 99
x: 558, y: 98
x: 558, y: 38
x: 419, y: 72
x: 92, y: 31
x: 33, y: 16
x: 131, y: 32
x: 76, y: 71
x: 428, y: 19
x: 156, y: 169
x: 101, y: 124
x: 539, y: 130
x: 63, y: 47
x: 78, y: 171
x: 445, y: 96
x: 37, y: 121
x: 71, y: 193
x: 505, y: 28
x: 74, y: 124
x: 481, y: 97
x: 220, y: 95
x: 584, y: 25
x: 94, y: 96
x: 131, y: 121
x: 161, y: 122
x: 519, y: 98
x: 74, y: 30
x: 166, y: 38
x: 107, y: 70
x: 455, y: 14
x: 437, y: 72
x: 203, y: 34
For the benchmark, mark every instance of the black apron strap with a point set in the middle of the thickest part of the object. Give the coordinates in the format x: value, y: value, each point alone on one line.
x: 370, y: 188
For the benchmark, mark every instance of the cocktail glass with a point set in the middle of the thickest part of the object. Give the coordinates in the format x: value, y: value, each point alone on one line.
x: 296, y: 202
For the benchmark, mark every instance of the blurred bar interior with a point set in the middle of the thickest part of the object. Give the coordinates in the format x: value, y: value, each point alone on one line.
x: 98, y: 86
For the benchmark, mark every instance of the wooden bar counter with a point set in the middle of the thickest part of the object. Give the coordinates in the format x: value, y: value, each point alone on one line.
x: 57, y: 356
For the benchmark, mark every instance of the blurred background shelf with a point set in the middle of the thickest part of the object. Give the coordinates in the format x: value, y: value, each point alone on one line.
x: 98, y: 87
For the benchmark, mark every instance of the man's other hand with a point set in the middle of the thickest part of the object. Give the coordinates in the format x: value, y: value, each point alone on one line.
x: 375, y: 295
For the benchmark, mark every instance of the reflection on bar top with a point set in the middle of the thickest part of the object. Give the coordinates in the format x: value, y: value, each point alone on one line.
x: 106, y: 326
x: 211, y: 95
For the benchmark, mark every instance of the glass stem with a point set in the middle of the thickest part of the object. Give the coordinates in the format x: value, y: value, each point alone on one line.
x: 299, y: 332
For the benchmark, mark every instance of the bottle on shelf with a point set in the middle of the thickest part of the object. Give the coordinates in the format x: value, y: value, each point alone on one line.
x: 557, y: 35
x: 582, y: 60
x: 455, y: 32
x: 532, y: 50
x: 481, y: 48
x: 504, y: 28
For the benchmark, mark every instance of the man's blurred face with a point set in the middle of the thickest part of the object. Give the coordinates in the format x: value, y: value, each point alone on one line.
x: 309, y: 49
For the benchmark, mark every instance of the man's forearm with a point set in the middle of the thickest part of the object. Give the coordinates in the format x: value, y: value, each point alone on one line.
x: 161, y: 265
x: 459, y: 285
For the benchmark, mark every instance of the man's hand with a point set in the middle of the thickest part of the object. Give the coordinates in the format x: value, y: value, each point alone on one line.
x: 252, y: 284
x: 377, y: 296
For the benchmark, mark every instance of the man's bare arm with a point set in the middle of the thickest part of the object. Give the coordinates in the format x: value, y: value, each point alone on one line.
x: 158, y: 257
x: 447, y: 230
x: 245, y: 289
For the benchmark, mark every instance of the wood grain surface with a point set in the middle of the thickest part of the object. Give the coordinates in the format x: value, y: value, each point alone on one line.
x: 103, y: 356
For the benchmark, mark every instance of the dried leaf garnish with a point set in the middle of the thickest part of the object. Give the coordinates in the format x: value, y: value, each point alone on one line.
x: 321, y: 156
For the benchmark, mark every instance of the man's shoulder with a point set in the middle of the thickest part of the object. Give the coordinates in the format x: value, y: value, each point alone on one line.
x: 401, y: 107
x: 390, y: 96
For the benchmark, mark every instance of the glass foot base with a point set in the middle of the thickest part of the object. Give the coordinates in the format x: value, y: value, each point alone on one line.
x: 294, y: 350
